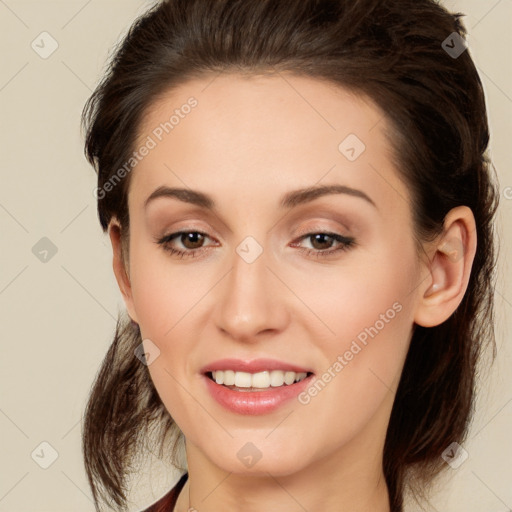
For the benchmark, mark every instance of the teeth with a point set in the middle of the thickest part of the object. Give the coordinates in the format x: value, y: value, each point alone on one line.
x: 265, y: 379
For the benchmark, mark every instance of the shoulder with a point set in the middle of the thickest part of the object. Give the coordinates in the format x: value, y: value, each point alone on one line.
x: 167, y: 502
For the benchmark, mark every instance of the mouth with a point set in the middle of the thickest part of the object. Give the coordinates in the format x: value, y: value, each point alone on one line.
x: 266, y: 380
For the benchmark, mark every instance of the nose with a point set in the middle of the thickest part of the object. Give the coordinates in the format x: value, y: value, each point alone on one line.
x: 251, y: 302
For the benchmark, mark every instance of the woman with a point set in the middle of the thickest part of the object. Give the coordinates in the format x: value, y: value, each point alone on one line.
x: 300, y: 207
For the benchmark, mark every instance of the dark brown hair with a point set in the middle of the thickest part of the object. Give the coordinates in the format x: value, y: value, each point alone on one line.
x: 389, y: 50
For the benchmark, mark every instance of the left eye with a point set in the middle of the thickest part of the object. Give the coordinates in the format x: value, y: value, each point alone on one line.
x: 196, y: 238
x: 345, y: 243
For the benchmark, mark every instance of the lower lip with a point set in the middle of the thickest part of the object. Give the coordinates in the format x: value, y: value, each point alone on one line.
x: 255, y: 402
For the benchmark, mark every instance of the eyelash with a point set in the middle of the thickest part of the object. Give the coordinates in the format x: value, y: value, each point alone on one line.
x: 346, y: 243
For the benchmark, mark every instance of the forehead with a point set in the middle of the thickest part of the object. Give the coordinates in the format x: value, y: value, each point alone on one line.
x: 265, y: 132
x: 259, y: 102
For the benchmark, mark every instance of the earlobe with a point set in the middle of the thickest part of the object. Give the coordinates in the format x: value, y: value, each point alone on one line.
x: 449, y: 269
x: 120, y: 271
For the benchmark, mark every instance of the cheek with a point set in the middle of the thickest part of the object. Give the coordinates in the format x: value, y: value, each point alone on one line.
x: 165, y: 292
x: 363, y: 366
x: 174, y: 390
x: 368, y: 295
x: 371, y: 322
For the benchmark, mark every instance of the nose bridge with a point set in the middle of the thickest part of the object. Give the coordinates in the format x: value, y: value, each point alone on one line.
x: 247, y: 304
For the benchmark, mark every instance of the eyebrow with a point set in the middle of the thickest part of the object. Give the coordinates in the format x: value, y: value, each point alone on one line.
x: 288, y: 201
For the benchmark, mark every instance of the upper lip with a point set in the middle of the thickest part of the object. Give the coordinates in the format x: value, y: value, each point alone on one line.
x: 257, y: 365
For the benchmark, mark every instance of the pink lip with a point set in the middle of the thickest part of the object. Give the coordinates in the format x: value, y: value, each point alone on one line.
x: 254, y: 402
x: 258, y: 365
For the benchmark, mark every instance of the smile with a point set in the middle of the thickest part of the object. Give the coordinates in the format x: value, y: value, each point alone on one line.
x: 256, y: 381
x: 246, y: 398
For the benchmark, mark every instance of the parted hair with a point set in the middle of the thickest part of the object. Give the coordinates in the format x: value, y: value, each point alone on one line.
x: 389, y: 50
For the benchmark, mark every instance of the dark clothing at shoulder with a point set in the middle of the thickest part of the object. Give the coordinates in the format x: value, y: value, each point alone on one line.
x: 167, y: 502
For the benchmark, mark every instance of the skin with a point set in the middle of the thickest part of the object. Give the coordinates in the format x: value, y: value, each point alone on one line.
x: 248, y: 142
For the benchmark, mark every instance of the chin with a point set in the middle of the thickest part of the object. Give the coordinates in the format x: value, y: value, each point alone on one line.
x: 259, y: 459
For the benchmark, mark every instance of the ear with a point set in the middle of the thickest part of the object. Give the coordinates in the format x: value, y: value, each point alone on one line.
x: 121, y: 267
x: 449, y: 266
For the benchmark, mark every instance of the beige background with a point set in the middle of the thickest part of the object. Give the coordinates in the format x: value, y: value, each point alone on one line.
x: 57, y: 318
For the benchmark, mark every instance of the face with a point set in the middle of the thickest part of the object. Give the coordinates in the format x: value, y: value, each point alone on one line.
x: 322, y: 282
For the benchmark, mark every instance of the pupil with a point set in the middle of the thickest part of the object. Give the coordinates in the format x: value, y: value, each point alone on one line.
x: 316, y: 237
x: 189, y: 238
